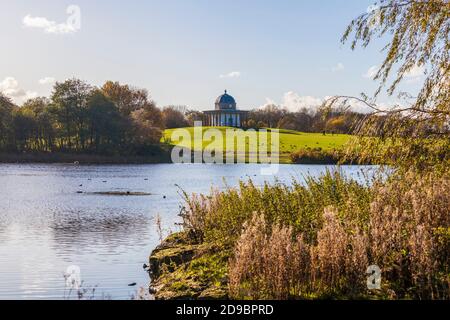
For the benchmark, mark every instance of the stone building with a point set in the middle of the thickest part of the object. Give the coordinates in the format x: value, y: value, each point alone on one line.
x: 225, y: 113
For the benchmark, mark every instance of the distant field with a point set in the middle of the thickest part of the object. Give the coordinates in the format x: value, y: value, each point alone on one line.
x: 290, y: 141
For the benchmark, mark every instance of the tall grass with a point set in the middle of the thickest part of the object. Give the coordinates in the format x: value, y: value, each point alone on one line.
x: 220, y: 216
x: 317, y: 239
x: 315, y: 156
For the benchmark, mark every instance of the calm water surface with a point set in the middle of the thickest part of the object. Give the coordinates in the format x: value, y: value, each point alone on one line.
x: 46, y: 225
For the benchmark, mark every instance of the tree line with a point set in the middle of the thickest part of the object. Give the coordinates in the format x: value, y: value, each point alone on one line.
x: 80, y: 118
x: 322, y: 120
x: 120, y: 119
x: 305, y: 120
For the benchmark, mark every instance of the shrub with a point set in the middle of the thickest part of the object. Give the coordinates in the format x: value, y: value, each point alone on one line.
x: 267, y: 264
x: 317, y: 238
x: 406, y: 235
x: 339, y: 260
x: 406, y: 217
x: 315, y: 156
x: 219, y: 217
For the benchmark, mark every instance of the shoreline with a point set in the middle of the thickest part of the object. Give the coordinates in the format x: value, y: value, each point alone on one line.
x: 92, y: 159
x: 174, y: 267
x: 82, y: 159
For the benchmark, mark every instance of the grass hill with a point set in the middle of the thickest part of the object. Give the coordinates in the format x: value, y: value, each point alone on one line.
x: 290, y: 141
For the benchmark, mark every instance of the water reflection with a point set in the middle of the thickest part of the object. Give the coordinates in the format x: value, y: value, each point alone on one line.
x: 75, y: 229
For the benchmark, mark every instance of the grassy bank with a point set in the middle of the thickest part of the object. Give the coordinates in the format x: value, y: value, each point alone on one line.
x: 290, y: 141
x: 312, y: 241
x: 57, y: 157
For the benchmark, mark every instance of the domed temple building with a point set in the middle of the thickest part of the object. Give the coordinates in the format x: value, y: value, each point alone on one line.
x: 225, y: 113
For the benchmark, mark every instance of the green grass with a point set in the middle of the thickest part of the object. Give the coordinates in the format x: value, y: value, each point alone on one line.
x: 290, y: 141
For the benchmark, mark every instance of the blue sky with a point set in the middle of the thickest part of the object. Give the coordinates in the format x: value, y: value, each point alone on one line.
x: 186, y: 52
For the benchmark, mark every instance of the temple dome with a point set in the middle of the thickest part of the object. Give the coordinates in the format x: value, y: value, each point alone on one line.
x: 225, y: 102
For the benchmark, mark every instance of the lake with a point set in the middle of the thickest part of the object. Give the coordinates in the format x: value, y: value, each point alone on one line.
x: 52, y: 217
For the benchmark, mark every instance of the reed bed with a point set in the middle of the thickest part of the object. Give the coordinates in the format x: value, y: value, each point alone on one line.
x: 316, y: 239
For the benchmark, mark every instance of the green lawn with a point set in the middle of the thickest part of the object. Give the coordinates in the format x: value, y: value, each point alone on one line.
x: 290, y: 141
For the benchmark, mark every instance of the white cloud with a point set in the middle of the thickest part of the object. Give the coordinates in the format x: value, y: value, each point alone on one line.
x: 415, y: 74
x: 372, y: 72
x: 47, y: 25
x: 10, y: 87
x: 47, y: 80
x: 72, y: 25
x: 339, y: 67
x: 268, y: 103
x: 294, y: 102
x: 233, y: 74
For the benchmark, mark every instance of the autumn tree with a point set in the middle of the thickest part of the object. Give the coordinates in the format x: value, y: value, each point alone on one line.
x: 24, y: 127
x: 147, y: 122
x: 269, y: 116
x: 126, y: 98
x: 192, y: 116
x: 6, y: 122
x: 70, y: 102
x: 113, y: 120
x: 174, y: 117
x: 105, y: 124
x: 43, y: 134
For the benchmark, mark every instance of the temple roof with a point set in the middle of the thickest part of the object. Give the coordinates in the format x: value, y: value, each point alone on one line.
x: 225, y: 102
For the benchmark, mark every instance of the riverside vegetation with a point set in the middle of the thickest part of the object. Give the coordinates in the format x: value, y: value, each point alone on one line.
x: 316, y: 240
x: 312, y: 241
